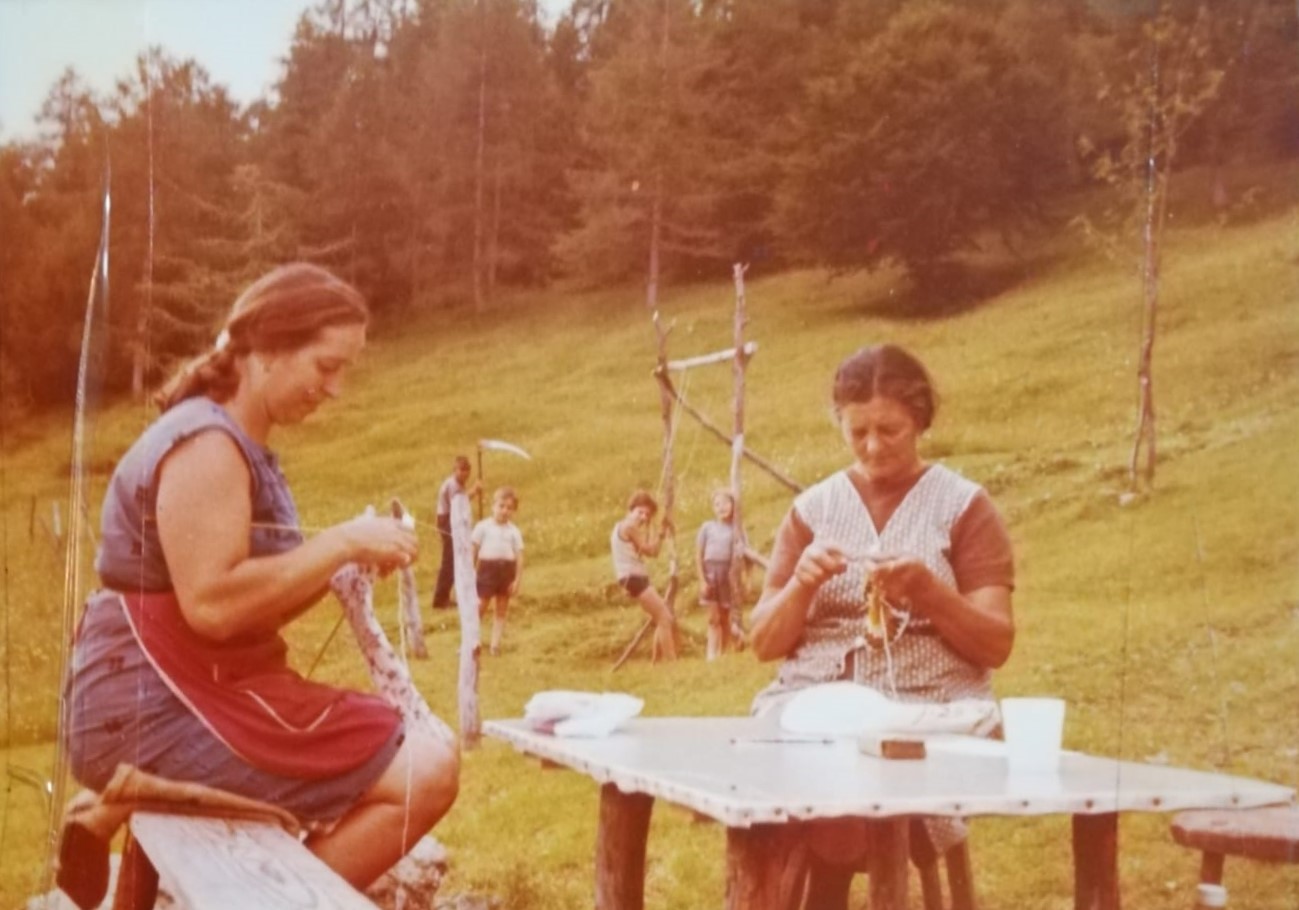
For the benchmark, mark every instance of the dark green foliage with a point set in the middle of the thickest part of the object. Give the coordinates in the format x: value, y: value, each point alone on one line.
x: 175, y: 142
x: 434, y: 151
x: 924, y: 136
x: 649, y: 144
x: 50, y: 230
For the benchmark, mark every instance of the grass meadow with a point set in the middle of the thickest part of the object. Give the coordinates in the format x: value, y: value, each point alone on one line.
x: 1170, y: 621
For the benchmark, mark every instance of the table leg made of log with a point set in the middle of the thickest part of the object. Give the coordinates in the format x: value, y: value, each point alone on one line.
x: 1096, y: 861
x: 620, y: 849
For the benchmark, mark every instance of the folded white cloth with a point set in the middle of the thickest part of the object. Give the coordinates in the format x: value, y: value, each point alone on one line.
x: 849, y: 709
x: 567, y: 713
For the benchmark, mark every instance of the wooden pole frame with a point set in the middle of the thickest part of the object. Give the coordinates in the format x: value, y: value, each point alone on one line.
x: 771, y: 470
x: 740, y: 539
x: 669, y: 397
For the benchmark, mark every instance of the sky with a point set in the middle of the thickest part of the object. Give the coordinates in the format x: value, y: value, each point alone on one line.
x: 241, y: 43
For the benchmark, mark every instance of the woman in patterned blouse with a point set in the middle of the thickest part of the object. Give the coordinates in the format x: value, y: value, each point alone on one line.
x: 915, y: 536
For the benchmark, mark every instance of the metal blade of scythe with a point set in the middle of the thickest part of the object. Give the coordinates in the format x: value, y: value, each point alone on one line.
x: 494, y: 445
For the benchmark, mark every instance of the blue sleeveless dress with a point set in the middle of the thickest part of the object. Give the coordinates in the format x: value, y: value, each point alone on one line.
x: 124, y: 708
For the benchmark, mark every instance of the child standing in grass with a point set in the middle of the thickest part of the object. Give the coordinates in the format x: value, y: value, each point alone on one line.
x: 714, y: 547
x: 498, y: 559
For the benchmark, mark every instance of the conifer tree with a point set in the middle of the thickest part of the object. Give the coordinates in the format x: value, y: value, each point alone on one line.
x: 929, y: 134
x: 645, y: 186
x: 176, y: 140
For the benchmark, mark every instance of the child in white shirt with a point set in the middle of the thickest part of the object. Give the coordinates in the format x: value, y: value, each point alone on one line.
x: 498, y: 559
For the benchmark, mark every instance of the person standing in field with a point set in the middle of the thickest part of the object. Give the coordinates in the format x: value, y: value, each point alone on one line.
x: 498, y: 560
x: 714, y: 552
x: 454, y: 485
x: 633, y: 539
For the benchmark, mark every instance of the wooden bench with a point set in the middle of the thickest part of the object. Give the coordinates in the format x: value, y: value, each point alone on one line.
x: 1269, y: 834
x: 206, y: 863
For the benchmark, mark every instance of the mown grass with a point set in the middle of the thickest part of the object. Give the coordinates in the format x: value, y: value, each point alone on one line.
x: 1170, y: 622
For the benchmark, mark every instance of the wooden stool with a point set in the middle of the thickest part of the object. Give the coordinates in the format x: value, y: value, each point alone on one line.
x: 828, y: 886
x: 1270, y: 834
x: 960, y: 878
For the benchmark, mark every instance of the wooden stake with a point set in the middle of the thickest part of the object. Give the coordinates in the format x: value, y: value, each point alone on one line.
x: 467, y: 606
x: 631, y: 646
x: 666, y: 403
x: 717, y: 357
x: 740, y: 541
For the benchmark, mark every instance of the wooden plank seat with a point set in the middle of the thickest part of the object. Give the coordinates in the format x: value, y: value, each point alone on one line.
x: 206, y: 847
x: 208, y: 863
x: 1269, y: 834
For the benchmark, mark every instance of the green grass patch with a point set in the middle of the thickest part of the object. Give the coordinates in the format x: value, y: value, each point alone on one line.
x: 1170, y: 622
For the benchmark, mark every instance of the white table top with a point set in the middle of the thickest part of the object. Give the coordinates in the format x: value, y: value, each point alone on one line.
x: 728, y: 769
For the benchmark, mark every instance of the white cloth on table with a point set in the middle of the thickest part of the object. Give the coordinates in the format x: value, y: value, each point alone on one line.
x: 849, y: 709
x: 580, y: 714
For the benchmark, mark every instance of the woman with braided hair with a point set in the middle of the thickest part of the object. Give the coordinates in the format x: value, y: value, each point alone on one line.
x: 179, y: 667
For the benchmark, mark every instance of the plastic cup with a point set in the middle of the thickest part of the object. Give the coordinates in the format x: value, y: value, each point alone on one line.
x: 1034, y: 730
x: 1210, y: 896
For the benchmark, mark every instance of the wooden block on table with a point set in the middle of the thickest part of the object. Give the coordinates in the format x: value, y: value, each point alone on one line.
x: 892, y: 746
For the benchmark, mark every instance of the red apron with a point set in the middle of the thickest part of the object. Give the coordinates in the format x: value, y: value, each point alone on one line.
x: 249, y: 697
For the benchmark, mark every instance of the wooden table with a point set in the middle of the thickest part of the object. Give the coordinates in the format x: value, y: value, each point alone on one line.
x: 729, y: 769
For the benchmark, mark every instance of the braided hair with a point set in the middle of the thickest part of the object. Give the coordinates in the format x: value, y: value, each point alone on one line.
x: 283, y: 310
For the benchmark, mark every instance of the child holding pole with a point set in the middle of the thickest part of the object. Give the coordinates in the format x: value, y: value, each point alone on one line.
x: 633, y: 539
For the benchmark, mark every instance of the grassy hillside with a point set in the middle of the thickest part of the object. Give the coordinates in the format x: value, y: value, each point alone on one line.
x: 1169, y: 622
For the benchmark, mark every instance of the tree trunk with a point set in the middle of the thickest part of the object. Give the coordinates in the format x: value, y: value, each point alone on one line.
x: 494, y: 235
x: 656, y: 197
x: 138, y: 355
x: 478, y: 166
x: 656, y: 229
x: 1164, y: 125
x: 1145, y: 432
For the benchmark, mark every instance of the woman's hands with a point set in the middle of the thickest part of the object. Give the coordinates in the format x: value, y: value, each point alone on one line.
x: 977, y: 624
x: 781, y: 613
x: 819, y: 563
x: 381, y: 541
x: 902, y: 578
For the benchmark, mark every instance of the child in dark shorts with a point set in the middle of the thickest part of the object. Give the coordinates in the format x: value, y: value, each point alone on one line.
x: 632, y: 540
x: 498, y: 557
x: 714, y: 548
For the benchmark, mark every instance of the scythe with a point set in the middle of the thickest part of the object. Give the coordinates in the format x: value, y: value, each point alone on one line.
x: 494, y: 445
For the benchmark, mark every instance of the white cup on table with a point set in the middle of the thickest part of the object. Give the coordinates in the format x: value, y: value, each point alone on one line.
x: 1034, y: 731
